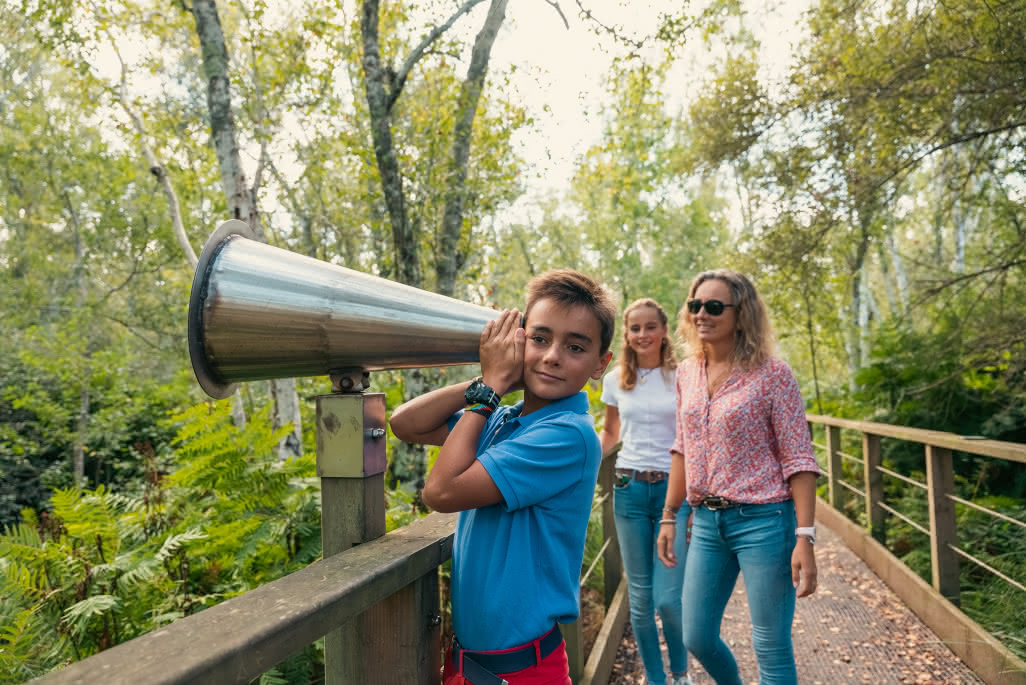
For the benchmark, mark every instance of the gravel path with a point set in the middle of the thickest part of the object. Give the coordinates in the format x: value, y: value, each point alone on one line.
x: 853, y: 630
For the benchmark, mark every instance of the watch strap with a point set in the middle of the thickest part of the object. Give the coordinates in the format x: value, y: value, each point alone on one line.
x: 480, y: 393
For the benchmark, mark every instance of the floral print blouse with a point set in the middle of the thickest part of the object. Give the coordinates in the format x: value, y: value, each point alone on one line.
x: 745, y: 441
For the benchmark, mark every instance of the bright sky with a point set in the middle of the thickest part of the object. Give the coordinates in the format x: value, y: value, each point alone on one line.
x: 564, y: 69
x: 560, y: 71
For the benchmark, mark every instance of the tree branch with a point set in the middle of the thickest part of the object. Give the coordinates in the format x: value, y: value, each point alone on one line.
x: 156, y: 168
x: 559, y: 11
x: 404, y: 71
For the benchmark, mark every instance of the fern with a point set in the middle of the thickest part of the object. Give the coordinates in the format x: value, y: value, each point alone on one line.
x: 80, y: 615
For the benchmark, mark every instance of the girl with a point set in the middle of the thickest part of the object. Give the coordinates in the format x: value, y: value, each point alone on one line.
x: 641, y: 411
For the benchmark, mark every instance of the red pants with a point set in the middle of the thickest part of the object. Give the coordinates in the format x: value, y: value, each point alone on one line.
x: 552, y: 670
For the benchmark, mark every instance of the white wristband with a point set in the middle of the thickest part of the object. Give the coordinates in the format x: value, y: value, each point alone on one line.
x: 808, y: 533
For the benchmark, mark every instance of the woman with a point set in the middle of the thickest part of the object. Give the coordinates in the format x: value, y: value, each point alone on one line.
x: 640, y: 411
x: 744, y: 460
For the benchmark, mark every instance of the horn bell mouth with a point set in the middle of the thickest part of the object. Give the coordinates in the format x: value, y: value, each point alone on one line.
x: 211, y: 382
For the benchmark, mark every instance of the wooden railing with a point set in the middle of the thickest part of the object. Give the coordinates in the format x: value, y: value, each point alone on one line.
x: 936, y: 602
x: 945, y: 552
x: 382, y: 595
x: 596, y: 667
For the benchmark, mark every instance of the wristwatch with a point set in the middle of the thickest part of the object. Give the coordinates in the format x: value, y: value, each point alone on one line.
x: 809, y: 533
x: 479, y: 393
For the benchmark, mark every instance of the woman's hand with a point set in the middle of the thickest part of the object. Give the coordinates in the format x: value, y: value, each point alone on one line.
x: 664, y: 544
x: 803, y: 567
x: 502, y: 353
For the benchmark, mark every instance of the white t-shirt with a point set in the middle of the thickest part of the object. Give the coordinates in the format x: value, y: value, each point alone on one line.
x: 648, y: 418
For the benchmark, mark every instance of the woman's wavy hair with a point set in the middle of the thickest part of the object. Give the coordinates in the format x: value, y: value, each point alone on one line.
x: 629, y: 358
x: 753, y: 337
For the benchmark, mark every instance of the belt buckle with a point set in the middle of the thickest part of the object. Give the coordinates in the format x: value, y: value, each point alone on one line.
x: 715, y: 503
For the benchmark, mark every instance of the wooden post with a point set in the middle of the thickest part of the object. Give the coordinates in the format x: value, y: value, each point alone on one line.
x: 834, y: 469
x: 396, y: 640
x: 873, y: 479
x: 404, y: 635
x: 574, y: 648
x: 940, y: 483
x: 612, y: 564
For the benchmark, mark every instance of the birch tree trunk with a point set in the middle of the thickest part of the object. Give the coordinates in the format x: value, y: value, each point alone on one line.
x: 406, y: 250
x: 853, y: 339
x: 450, y: 257
x: 241, y: 198
x: 899, y: 271
x: 82, y: 434
x: 383, y: 85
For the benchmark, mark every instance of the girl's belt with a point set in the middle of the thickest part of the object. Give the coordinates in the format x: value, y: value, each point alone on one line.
x: 644, y: 476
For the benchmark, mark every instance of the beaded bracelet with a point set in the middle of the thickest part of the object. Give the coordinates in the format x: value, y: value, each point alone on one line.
x: 482, y: 409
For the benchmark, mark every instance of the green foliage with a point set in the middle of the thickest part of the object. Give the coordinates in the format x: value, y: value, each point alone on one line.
x: 100, y: 567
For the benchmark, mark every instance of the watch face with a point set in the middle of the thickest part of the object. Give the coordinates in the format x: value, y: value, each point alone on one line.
x: 478, y: 392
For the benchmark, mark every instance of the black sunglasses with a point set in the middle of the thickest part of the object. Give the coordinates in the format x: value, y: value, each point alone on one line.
x: 712, y: 307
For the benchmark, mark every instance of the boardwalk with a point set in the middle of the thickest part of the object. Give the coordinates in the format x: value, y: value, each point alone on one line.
x: 853, y: 630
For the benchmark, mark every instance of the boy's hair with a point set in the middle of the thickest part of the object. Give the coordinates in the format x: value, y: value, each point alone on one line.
x: 571, y: 288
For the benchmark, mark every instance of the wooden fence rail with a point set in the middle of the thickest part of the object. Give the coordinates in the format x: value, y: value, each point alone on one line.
x: 945, y: 552
x: 381, y: 596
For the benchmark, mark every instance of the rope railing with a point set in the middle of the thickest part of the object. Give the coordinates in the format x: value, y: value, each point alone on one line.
x: 941, y: 498
x: 897, y: 514
x: 851, y: 457
x: 982, y: 564
x: 851, y: 488
x: 906, y: 479
x: 996, y: 514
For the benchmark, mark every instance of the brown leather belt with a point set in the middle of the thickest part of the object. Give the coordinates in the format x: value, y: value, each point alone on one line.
x: 644, y: 476
x: 715, y: 503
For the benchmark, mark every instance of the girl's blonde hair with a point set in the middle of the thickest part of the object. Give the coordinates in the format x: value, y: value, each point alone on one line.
x: 753, y: 337
x: 629, y: 358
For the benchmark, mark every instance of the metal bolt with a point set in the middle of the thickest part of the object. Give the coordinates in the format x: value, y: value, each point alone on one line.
x: 434, y: 620
x: 376, y: 433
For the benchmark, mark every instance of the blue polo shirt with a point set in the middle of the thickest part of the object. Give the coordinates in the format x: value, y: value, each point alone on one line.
x: 516, y: 566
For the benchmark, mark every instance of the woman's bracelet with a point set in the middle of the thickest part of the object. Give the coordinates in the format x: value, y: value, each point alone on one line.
x: 673, y: 521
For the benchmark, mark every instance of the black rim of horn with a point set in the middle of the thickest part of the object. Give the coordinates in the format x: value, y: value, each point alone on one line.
x: 209, y: 380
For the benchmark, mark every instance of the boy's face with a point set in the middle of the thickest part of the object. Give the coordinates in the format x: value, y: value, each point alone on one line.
x: 561, y: 352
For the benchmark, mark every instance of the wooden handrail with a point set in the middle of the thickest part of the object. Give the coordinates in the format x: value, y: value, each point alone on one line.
x: 998, y: 449
x: 237, y: 640
x: 938, y: 448
x: 240, y: 639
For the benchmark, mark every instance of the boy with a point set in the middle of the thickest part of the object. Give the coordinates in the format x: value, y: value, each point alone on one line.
x: 523, y: 478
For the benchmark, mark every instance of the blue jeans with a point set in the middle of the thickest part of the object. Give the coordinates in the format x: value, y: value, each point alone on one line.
x: 651, y: 587
x: 758, y: 540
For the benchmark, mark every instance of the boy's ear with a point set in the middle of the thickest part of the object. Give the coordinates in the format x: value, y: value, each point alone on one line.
x: 600, y: 370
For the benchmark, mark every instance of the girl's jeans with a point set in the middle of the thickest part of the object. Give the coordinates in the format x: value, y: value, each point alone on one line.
x: 758, y: 540
x: 651, y: 587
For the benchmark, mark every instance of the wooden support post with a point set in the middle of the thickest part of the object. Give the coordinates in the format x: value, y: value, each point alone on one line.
x: 873, y: 479
x: 834, y: 469
x: 402, y: 635
x: 612, y: 564
x: 397, y: 639
x: 940, y: 483
x: 574, y: 648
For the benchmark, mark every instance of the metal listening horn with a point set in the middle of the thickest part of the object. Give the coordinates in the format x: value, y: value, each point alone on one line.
x: 258, y: 312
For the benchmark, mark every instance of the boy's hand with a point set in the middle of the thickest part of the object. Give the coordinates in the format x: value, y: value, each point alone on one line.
x: 502, y: 352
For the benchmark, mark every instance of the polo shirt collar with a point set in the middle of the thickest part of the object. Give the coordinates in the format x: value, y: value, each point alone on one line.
x: 576, y: 403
